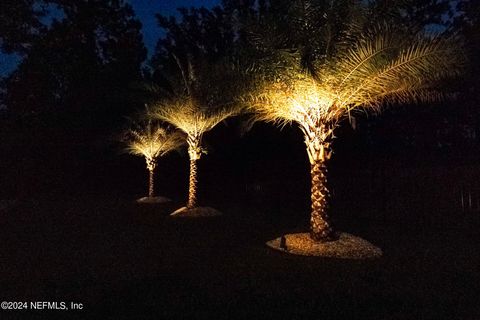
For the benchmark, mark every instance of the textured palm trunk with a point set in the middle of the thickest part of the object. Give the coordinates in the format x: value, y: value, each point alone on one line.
x: 151, y: 165
x: 317, y: 139
x: 194, y: 153
x: 192, y: 187
x: 320, y: 227
x: 151, y: 184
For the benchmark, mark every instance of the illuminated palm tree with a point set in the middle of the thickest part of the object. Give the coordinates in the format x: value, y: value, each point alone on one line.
x: 151, y: 141
x: 198, y: 98
x: 194, y: 121
x: 365, y: 71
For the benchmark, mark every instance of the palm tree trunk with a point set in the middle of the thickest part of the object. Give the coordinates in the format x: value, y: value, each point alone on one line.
x: 320, y: 227
x: 192, y: 188
x: 151, y: 185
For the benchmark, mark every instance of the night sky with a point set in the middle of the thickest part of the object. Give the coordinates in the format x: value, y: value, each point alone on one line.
x: 145, y: 11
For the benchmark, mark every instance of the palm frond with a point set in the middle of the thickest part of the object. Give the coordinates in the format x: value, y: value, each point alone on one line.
x: 186, y: 115
x: 300, y: 99
x: 379, y: 68
x: 402, y: 70
x: 151, y: 140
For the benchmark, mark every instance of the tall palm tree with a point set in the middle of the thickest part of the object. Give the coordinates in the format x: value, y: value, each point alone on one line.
x: 194, y: 121
x: 197, y: 98
x: 151, y: 141
x: 364, y: 70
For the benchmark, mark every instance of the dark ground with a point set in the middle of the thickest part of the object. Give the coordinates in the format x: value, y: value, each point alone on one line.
x: 76, y: 234
x: 126, y: 261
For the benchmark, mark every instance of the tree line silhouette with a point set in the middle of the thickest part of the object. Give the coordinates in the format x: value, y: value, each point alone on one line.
x: 76, y: 81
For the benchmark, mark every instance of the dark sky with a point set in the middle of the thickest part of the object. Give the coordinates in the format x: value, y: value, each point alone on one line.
x: 145, y: 10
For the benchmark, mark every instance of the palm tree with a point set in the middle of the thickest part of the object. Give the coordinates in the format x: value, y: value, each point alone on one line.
x: 365, y: 70
x: 186, y: 115
x: 151, y: 141
x: 198, y: 97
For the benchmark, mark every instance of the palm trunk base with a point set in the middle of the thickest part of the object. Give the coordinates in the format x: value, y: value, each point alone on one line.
x: 324, y: 236
x: 321, y: 229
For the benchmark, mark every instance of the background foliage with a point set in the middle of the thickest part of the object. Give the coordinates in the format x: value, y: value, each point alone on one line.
x: 79, y: 59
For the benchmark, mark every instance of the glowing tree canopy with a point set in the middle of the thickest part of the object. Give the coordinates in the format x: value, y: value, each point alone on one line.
x: 366, y: 70
x: 152, y: 141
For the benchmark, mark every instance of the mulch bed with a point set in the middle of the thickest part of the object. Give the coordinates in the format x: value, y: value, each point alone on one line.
x: 346, y: 247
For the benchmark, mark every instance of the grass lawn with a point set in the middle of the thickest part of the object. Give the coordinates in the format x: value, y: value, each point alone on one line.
x: 132, y: 261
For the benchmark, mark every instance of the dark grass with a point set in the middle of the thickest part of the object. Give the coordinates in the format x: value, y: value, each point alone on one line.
x: 123, y: 260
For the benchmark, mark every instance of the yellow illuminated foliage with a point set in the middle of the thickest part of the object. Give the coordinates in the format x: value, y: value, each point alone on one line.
x: 152, y: 141
x: 375, y: 70
x: 194, y: 121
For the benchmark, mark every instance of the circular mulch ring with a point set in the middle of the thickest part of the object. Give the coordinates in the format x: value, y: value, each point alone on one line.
x: 196, y: 212
x: 154, y: 200
x: 346, y: 247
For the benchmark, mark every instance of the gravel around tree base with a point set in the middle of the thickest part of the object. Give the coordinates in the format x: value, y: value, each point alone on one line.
x: 196, y: 212
x: 154, y: 200
x: 346, y: 247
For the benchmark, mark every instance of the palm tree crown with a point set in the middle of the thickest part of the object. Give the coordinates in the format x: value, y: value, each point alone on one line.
x: 152, y: 141
x: 377, y: 68
x: 193, y: 120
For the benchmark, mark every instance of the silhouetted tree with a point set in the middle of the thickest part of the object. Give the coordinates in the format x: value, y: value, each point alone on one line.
x: 199, y: 33
x: 80, y: 69
x: 413, y: 15
x: 20, y: 24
